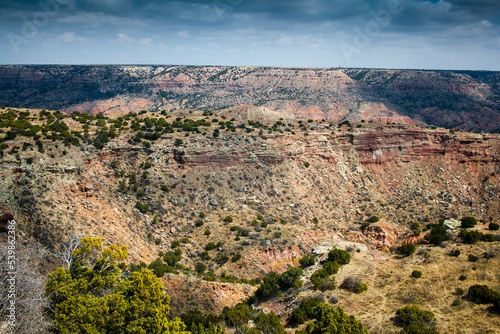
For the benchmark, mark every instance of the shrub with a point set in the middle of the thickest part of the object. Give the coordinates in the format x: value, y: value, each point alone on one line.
x: 438, y: 234
x: 228, y: 219
x: 455, y: 253
x: 268, y: 286
x: 331, y: 267
x: 185, y: 240
x: 269, y: 323
x: 362, y: 287
x: 493, y: 226
x: 307, y: 260
x: 373, y: 219
x: 172, y: 257
x: 200, y: 268
x: 416, y: 273
x: 178, y: 142
x: 315, y: 220
x: 233, y: 228
x: 236, y: 257
x: 204, y: 256
x: 291, y: 278
x: 175, y: 244
x: 472, y: 258
x: 199, y: 223
x: 142, y: 207
x: 305, y: 312
x: 342, y: 257
x: 462, y: 277
x: 207, y: 232
x: 263, y: 224
x: 415, y: 320
x: 222, y: 259
x: 307, y: 164
x: 482, y: 294
x: 406, y: 249
x: 468, y: 222
x: 210, y: 246
x: 333, y: 320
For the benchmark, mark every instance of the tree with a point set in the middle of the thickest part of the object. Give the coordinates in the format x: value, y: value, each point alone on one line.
x: 414, y: 320
x: 406, y: 249
x: 342, y: 257
x: 269, y: 323
x: 468, y: 222
x: 335, y: 321
x: 92, y: 297
x: 291, y: 278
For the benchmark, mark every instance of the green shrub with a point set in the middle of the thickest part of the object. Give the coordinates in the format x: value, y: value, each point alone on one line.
x: 178, y: 142
x: 462, y: 277
x: 493, y: 226
x: 468, y: 222
x: 236, y: 257
x: 315, y: 220
x: 406, y: 249
x: 305, y: 312
x: 472, y: 258
x: 455, y: 253
x: 373, y: 219
x: 199, y: 223
x: 331, y: 267
x: 228, y: 219
x: 291, y: 278
x: 307, y: 164
x: 340, y: 256
x: 438, y: 234
x: 268, y: 286
x: 200, y: 268
x: 321, y: 280
x: 415, y: 320
x: 175, y: 244
x: 263, y: 224
x: 205, y: 256
x: 269, y: 323
x: 207, y: 232
x: 172, y: 257
x: 482, y: 294
x: 361, y: 288
x: 141, y: 207
x: 333, y: 320
x: 233, y: 228
x: 210, y: 246
x: 416, y: 273
x: 222, y: 259
x: 308, y: 260
x: 185, y: 240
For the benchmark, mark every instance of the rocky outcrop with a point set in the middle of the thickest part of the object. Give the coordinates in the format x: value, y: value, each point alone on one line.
x: 381, y: 235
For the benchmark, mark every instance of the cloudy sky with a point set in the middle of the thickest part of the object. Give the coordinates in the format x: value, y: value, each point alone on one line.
x: 444, y: 34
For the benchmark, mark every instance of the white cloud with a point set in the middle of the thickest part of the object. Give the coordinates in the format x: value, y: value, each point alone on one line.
x: 146, y: 41
x: 70, y: 37
x: 124, y: 38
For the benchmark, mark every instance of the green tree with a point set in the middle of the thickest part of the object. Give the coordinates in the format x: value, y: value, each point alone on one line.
x: 92, y: 297
x: 269, y: 323
x: 342, y: 257
x: 414, y: 320
x: 291, y: 278
x: 335, y: 321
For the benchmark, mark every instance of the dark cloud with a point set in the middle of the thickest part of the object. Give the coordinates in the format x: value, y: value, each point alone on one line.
x: 288, y: 30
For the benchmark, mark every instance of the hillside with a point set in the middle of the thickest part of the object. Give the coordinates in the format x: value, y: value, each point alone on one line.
x: 265, y: 189
x: 452, y: 99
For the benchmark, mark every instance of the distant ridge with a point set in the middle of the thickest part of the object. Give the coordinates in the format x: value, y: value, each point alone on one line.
x: 468, y: 100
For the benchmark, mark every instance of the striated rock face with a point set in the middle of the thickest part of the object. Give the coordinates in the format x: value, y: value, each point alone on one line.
x: 381, y: 235
x: 465, y: 100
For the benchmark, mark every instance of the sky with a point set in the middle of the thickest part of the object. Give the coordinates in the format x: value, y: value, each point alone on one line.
x: 414, y: 34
